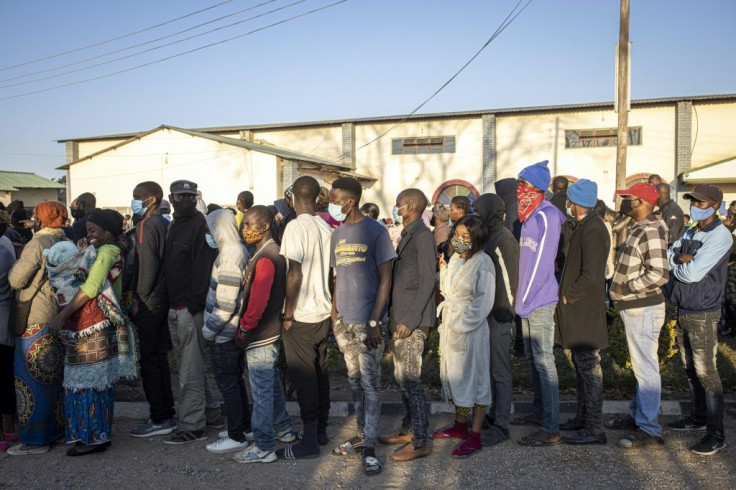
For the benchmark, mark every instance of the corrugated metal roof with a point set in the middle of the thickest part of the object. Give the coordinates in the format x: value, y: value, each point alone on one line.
x: 14, y: 181
x: 271, y: 150
x: 443, y: 115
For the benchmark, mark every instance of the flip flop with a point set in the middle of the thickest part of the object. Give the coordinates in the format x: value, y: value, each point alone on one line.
x: 371, y: 465
x: 538, y: 439
x: 98, y: 448
x: 351, y: 446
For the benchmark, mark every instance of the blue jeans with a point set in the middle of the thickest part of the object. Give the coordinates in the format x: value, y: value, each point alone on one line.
x: 642, y: 327
x: 228, y: 363
x: 539, y: 340
x: 269, y: 403
x: 696, y: 338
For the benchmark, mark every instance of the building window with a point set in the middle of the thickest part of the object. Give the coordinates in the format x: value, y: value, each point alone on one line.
x: 599, y: 138
x: 452, y: 188
x: 423, y: 146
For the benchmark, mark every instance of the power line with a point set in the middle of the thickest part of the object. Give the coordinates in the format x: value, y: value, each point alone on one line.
x: 120, y: 50
x: 506, y: 22
x: 116, y: 38
x: 157, y: 47
x: 25, y: 94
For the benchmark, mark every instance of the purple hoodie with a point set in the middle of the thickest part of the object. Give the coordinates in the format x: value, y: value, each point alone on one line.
x: 540, y: 236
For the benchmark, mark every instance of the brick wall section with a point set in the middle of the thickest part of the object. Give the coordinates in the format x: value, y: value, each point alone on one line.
x: 290, y: 169
x: 348, y: 145
x: 489, y: 152
x: 683, y: 144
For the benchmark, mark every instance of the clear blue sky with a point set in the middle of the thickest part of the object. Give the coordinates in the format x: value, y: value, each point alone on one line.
x: 360, y: 58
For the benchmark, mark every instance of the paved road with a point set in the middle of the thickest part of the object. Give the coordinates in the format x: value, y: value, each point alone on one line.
x: 147, y: 463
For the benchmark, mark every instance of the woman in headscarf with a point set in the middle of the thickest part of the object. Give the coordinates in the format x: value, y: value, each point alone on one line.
x: 100, y: 347
x: 38, y: 356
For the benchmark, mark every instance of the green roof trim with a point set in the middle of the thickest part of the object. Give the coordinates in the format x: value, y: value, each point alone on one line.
x: 14, y: 181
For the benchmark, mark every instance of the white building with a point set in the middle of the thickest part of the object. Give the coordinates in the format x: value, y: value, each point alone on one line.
x: 443, y: 154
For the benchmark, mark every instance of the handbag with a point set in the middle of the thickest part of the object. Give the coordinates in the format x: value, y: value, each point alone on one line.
x: 21, y: 310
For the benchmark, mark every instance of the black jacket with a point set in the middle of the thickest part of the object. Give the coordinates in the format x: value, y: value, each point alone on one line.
x: 503, y: 249
x: 188, y: 263
x: 674, y: 219
x: 412, y: 301
x: 560, y: 201
x: 150, y: 246
x: 506, y: 190
x: 581, y: 323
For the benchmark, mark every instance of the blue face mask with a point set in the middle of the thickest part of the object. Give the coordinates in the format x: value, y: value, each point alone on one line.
x: 395, y: 214
x: 336, y: 212
x: 209, y: 240
x: 697, y: 214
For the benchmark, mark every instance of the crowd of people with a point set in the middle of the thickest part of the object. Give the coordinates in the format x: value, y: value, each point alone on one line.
x: 114, y: 298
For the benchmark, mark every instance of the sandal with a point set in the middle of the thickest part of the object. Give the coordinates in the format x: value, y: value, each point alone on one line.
x: 351, y: 446
x: 97, y: 448
x: 371, y: 465
x: 539, y: 439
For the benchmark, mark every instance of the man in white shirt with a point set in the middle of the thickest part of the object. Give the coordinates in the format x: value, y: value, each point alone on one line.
x: 306, y: 318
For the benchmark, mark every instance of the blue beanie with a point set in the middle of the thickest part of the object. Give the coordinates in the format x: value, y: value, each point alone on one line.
x: 538, y: 175
x: 584, y: 193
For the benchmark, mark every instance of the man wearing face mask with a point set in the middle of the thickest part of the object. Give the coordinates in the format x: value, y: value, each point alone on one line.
x: 361, y: 256
x: 581, y: 311
x: 671, y: 213
x: 536, y: 300
x: 150, y: 308
x: 636, y: 291
x: 698, y: 262
x: 80, y: 207
x: 188, y: 261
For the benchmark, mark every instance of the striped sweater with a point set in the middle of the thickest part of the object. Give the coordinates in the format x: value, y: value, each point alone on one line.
x: 225, y: 294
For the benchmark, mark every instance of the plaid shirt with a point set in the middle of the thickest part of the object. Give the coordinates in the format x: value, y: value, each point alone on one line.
x: 642, y: 267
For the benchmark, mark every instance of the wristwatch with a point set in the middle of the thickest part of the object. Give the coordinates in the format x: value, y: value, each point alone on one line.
x: 285, y: 318
x: 373, y: 323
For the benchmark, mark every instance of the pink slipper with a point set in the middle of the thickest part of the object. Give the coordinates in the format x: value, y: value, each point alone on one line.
x: 12, y: 437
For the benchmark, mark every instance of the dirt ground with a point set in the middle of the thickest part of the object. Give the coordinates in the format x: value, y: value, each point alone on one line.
x: 147, y: 463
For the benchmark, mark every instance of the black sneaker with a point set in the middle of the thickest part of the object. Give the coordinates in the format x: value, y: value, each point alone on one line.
x: 639, y: 438
x: 685, y: 425
x: 708, y: 446
x: 186, y: 436
x: 622, y: 422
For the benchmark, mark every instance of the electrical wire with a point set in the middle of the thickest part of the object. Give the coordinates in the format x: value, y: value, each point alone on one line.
x: 127, y: 48
x: 116, y: 38
x: 78, y: 82
x: 158, y: 47
x: 506, y: 22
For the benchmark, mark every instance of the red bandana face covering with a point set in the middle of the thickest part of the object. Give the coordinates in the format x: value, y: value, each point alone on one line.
x: 528, y: 197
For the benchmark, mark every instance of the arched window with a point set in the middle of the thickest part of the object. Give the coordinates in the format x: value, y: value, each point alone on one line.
x: 452, y: 188
x: 641, y: 178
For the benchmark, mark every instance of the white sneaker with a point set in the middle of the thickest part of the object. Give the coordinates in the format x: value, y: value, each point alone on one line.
x: 226, y: 445
x: 254, y: 455
x: 224, y: 435
x: 286, y: 435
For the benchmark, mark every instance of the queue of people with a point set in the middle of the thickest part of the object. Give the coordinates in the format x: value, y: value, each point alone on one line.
x: 240, y: 286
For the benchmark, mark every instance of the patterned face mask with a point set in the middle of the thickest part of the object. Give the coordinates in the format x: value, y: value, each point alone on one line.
x: 252, y: 236
x: 528, y: 198
x: 460, y: 246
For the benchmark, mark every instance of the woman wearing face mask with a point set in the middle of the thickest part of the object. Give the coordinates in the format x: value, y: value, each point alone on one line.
x: 395, y: 230
x: 99, y: 341
x: 38, y: 356
x: 468, y: 286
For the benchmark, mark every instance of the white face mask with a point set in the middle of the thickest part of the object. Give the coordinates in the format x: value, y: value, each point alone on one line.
x: 336, y: 212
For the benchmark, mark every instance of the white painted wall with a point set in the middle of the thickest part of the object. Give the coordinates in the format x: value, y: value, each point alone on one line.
x: 31, y: 197
x: 426, y: 172
x: 221, y: 171
x: 524, y: 140
x: 87, y: 148
x: 714, y: 133
x: 323, y: 142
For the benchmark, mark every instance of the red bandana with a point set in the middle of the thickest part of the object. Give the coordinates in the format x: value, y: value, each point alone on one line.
x: 529, y: 197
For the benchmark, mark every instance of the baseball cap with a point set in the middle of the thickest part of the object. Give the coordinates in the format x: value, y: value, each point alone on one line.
x: 645, y: 192
x: 706, y: 192
x: 183, y: 187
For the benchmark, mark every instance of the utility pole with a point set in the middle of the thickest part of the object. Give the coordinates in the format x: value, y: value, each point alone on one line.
x: 622, y: 95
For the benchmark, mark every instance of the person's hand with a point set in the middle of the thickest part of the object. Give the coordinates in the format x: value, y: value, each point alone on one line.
x: 402, y: 331
x: 374, y: 337
x: 564, y: 300
x: 685, y: 258
x: 240, y: 337
x: 55, y: 326
x: 286, y: 324
x: 442, y: 263
x: 82, y: 244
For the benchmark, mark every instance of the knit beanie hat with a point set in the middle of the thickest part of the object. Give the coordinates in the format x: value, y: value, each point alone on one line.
x: 538, y: 175
x: 584, y: 193
x: 107, y: 219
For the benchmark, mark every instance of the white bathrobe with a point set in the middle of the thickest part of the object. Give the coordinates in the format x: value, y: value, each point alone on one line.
x: 468, y: 287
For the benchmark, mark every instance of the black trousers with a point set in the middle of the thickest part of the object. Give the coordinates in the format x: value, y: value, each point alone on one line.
x: 7, y: 380
x: 154, y: 340
x: 305, y: 346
